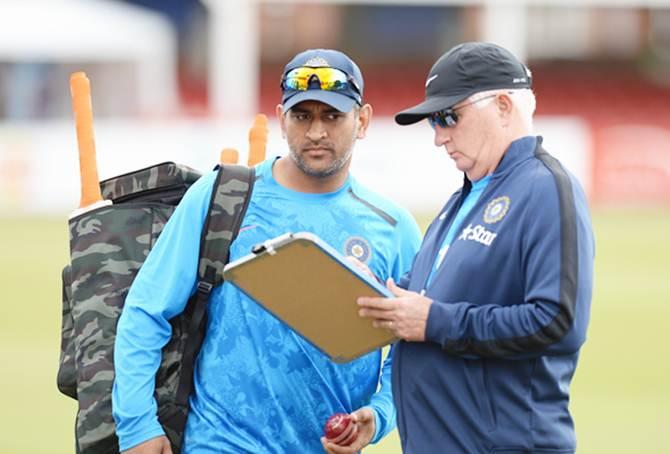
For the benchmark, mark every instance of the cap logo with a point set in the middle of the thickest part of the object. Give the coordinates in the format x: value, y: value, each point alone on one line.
x: 430, y: 79
x: 523, y: 80
x: 317, y: 62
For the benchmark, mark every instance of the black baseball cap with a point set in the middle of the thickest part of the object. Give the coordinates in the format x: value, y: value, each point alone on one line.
x: 464, y: 70
x: 342, y: 100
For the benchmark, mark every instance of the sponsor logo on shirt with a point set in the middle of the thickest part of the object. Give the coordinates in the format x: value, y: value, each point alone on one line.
x: 479, y: 234
x: 358, y: 247
x: 496, y: 209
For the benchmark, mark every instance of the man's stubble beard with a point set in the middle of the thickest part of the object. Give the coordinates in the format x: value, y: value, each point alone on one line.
x: 336, y: 166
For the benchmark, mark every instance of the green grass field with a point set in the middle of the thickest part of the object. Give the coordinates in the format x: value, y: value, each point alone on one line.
x: 620, y: 394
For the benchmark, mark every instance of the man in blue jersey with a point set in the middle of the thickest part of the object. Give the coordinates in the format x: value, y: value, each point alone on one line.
x: 495, y: 308
x: 259, y: 387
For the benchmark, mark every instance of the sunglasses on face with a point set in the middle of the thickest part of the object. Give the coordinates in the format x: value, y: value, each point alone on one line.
x: 325, y: 78
x: 448, y: 118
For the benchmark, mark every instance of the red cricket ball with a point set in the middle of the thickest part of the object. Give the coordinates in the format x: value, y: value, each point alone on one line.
x: 340, y: 430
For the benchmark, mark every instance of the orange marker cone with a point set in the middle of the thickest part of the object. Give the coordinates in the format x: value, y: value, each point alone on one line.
x: 258, y: 140
x: 229, y: 156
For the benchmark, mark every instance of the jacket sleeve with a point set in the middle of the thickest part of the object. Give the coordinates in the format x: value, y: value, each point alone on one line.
x: 557, y: 253
x: 159, y: 292
x: 408, y: 239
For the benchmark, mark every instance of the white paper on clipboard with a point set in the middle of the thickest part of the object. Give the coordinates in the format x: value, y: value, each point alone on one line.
x: 313, y: 289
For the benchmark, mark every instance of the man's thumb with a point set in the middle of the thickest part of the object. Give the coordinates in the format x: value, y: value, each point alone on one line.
x: 397, y: 291
x: 363, y: 414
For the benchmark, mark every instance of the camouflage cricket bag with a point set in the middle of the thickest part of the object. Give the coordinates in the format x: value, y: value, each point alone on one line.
x: 107, y: 246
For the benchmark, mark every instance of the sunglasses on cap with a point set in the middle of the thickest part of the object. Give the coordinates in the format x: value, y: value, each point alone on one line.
x: 328, y: 79
x: 447, y: 118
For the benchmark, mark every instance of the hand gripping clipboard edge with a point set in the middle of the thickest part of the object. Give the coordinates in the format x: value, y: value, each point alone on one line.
x: 312, y: 288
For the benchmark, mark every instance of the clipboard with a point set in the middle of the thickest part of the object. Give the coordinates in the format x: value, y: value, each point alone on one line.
x: 312, y: 288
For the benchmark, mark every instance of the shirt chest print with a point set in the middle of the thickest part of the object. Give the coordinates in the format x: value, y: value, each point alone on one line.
x: 494, y: 212
x: 477, y: 233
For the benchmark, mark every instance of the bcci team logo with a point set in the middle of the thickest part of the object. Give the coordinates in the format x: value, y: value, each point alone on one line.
x: 496, y: 209
x: 357, y: 247
x: 316, y: 62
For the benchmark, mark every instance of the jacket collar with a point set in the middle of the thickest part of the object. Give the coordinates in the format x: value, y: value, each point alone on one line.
x: 519, y: 150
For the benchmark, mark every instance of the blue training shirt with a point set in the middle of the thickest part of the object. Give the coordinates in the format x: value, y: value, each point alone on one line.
x: 469, y: 202
x: 259, y: 387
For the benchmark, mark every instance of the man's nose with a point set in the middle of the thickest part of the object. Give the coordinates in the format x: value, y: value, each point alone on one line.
x: 316, y: 131
x: 442, y: 136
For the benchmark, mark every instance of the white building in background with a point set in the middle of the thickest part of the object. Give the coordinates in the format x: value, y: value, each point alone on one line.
x: 130, y: 51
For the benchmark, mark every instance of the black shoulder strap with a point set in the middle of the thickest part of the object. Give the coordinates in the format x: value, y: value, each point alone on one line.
x: 230, y: 199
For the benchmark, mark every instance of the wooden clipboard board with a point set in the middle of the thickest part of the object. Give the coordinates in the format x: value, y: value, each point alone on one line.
x: 310, y: 287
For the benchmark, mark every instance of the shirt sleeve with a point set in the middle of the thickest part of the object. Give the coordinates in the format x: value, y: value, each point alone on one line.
x: 557, y: 265
x: 382, y: 402
x: 408, y: 240
x: 159, y: 292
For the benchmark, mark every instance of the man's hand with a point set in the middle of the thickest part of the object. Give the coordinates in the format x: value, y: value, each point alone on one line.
x: 158, y: 445
x: 364, y: 418
x: 362, y: 267
x: 406, y: 315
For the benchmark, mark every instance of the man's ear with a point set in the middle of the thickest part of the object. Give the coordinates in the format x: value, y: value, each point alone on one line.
x: 364, y: 117
x: 504, y: 105
x: 279, y: 111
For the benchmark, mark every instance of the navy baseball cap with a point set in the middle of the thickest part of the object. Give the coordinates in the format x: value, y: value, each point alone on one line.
x: 464, y: 70
x: 324, y: 75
